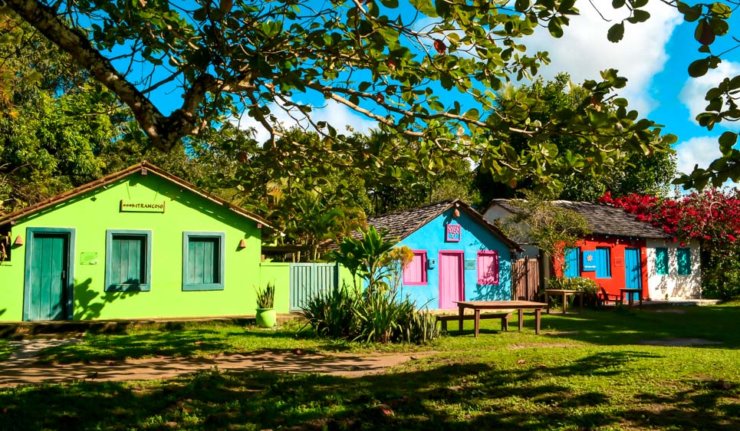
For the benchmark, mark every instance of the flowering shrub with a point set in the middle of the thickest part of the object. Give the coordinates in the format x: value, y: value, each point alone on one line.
x: 712, y: 217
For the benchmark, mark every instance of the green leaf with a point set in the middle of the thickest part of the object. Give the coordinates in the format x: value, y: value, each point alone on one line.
x: 521, y: 5
x: 556, y: 30
x: 426, y: 7
x: 699, y: 67
x: 726, y: 141
x: 616, y: 32
x: 390, y: 3
x: 639, y: 15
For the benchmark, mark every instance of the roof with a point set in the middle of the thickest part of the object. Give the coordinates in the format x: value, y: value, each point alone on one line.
x: 143, y: 168
x: 401, y: 224
x: 602, y: 219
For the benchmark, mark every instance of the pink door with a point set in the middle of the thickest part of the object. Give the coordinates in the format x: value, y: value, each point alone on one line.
x: 451, y: 279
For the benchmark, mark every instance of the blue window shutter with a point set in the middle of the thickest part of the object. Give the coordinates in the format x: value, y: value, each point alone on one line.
x: 661, y: 261
x: 603, y: 263
x: 572, y: 262
x: 683, y: 256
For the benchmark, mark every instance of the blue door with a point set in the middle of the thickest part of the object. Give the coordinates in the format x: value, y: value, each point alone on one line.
x: 633, y: 269
x: 572, y: 262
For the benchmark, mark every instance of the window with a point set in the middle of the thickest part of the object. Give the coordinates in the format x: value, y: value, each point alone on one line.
x: 203, y: 261
x: 128, y: 260
x: 415, y: 272
x: 572, y: 262
x: 603, y: 263
x: 683, y: 256
x: 487, y: 267
x: 661, y: 261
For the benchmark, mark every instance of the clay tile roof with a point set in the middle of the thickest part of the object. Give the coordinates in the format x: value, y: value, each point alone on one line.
x: 398, y: 225
x: 603, y: 219
x: 144, y: 168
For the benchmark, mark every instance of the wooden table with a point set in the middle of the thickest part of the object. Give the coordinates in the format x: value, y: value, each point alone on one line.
x: 629, y: 293
x: 520, y: 306
x: 565, y: 294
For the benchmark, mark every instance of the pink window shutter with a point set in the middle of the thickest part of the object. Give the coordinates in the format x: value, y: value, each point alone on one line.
x: 415, y: 271
x: 488, y: 267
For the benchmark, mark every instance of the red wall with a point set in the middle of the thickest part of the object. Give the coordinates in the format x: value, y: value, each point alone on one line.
x: 616, y: 256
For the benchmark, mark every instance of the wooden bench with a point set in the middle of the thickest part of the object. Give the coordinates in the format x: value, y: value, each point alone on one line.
x: 503, y: 315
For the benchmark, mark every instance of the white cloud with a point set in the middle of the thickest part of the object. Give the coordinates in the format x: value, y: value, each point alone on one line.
x: 337, y: 115
x: 693, y: 92
x: 584, y: 50
x: 700, y: 151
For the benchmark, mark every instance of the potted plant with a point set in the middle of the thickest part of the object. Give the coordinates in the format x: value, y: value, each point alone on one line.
x: 266, y: 315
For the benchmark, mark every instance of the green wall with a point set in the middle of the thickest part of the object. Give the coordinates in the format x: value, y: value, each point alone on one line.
x: 90, y: 215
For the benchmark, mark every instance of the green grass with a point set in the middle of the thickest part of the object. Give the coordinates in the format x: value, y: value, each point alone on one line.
x: 5, y: 350
x: 586, y: 371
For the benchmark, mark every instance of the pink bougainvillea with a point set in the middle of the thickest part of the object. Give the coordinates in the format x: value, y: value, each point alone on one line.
x: 712, y: 217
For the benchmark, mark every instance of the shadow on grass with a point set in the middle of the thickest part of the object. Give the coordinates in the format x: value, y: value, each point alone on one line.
x: 623, y: 326
x: 451, y: 397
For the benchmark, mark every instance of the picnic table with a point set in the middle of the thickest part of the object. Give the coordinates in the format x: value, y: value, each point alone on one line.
x: 520, y: 306
x: 565, y: 293
x: 630, y: 297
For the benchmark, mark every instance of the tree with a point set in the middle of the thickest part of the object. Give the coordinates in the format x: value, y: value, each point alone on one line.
x: 427, y: 71
x: 629, y: 172
x: 711, y: 217
x: 542, y: 222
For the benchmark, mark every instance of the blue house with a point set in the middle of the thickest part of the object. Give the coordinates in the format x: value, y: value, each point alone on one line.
x: 458, y: 256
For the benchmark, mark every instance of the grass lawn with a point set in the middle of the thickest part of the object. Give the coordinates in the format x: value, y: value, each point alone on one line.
x: 5, y: 350
x: 586, y: 371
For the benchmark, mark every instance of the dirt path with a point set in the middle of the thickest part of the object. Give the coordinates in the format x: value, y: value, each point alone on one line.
x: 23, y: 368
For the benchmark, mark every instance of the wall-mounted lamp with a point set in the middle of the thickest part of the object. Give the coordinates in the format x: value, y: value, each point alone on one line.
x: 242, y: 244
x: 259, y: 225
x: 456, y: 213
x: 18, y: 241
x: 431, y: 263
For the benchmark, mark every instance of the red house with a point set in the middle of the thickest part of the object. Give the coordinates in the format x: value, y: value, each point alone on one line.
x: 615, y: 254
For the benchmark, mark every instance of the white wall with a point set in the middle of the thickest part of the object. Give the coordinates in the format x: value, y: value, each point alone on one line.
x: 673, y: 286
x: 496, y: 212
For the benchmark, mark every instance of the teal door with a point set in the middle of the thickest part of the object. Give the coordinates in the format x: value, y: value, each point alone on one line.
x: 47, y: 275
x: 633, y: 269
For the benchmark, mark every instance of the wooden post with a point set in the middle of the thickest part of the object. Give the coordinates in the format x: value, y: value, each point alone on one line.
x: 521, y: 319
x: 460, y: 318
x: 537, y: 319
x: 477, y: 322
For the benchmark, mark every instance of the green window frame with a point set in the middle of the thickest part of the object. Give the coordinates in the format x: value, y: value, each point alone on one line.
x: 128, y: 260
x: 683, y: 258
x: 203, y: 256
x: 661, y: 261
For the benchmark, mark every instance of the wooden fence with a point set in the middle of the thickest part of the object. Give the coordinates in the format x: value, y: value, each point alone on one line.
x: 526, y: 278
x: 310, y: 279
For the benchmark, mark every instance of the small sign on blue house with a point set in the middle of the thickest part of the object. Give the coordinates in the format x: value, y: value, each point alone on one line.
x: 453, y: 233
x: 589, y: 261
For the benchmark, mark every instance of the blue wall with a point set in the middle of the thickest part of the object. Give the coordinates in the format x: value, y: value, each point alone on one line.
x: 474, y: 238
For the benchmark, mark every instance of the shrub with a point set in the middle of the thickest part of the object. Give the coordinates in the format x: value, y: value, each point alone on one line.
x: 581, y: 284
x: 266, y: 296
x: 376, y: 315
x: 332, y: 314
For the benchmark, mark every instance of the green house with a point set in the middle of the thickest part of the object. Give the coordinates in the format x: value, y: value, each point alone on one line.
x: 139, y: 243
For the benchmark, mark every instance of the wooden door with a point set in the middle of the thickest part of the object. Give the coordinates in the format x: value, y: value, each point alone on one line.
x: 47, y: 272
x: 451, y: 279
x: 572, y: 262
x: 633, y: 269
